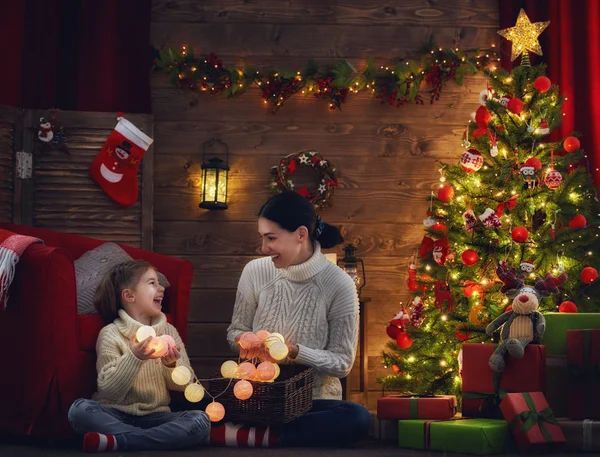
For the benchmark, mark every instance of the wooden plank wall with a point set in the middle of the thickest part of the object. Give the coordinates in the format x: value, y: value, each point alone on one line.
x: 386, y: 156
x: 9, y: 134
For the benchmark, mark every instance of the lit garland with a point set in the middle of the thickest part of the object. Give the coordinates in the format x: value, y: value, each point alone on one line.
x: 395, y: 85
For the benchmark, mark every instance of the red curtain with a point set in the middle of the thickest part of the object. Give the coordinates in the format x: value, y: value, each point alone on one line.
x: 76, y: 54
x: 571, y: 47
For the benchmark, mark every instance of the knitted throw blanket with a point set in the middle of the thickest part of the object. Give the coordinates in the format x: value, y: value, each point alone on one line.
x: 11, y: 248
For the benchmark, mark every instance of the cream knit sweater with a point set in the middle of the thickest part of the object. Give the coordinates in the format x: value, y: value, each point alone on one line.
x: 126, y: 383
x: 313, y: 304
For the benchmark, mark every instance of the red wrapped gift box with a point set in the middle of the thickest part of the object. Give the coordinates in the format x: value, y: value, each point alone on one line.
x: 416, y: 407
x: 483, y: 389
x: 532, y: 421
x: 583, y: 359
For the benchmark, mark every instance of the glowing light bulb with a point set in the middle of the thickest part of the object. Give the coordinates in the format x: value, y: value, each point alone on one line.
x: 160, y: 346
x: 277, y: 371
x: 411, y: 358
x: 144, y: 332
x: 243, y: 390
x: 181, y: 375
x: 194, y: 393
x: 215, y: 411
x: 248, y: 339
x: 443, y: 363
x: 246, y: 370
x: 229, y: 369
x: 265, y: 371
x: 263, y: 334
x: 279, y: 351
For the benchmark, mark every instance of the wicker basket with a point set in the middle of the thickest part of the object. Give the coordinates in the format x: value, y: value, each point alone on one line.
x: 271, y: 402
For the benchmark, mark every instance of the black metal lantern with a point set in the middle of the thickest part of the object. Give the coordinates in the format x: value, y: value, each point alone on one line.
x: 214, y: 179
x: 349, y: 263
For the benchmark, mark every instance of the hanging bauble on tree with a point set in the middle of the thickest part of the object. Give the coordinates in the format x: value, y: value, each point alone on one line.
x: 571, y: 144
x: 542, y: 84
x: 544, y: 128
x: 589, y: 275
x: 553, y: 179
x: 515, y: 105
x: 439, y: 227
x: 578, y: 221
x: 403, y: 340
x: 446, y: 193
x: 471, y: 160
x: 470, y: 257
x: 534, y: 162
x: 520, y: 234
x: 567, y: 307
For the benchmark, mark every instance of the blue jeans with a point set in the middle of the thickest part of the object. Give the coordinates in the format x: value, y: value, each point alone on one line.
x: 329, y: 423
x: 157, y: 431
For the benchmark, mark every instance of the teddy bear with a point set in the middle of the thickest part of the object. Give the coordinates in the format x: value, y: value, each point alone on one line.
x: 523, y: 324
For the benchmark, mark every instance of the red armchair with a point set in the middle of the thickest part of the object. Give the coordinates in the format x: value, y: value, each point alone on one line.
x: 49, y: 350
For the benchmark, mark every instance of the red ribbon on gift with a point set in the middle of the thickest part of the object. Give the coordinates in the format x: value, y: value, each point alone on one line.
x: 509, y: 204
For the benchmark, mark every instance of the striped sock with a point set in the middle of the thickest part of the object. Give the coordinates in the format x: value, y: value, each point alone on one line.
x: 98, y: 442
x: 238, y: 435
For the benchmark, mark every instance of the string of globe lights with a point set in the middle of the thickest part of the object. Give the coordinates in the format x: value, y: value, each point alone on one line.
x: 262, y: 349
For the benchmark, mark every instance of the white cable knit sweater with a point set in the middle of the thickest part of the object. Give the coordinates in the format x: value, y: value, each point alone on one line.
x: 313, y: 304
x: 126, y: 383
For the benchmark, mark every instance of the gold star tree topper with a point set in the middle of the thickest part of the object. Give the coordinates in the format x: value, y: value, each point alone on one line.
x: 524, y: 35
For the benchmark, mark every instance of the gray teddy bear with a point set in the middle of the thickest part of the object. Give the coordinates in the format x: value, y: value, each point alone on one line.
x: 523, y: 324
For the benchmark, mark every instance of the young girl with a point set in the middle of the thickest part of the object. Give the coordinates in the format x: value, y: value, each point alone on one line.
x: 313, y: 303
x: 131, y: 411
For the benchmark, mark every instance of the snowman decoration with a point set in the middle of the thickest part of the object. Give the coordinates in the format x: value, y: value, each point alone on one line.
x: 111, y: 169
x: 45, y: 133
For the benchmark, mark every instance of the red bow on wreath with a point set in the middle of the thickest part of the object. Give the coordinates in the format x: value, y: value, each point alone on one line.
x: 439, y: 248
x: 509, y: 204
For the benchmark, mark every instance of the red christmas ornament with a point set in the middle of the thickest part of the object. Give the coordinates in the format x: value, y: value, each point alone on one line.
x: 439, y: 227
x: 404, y: 341
x: 471, y: 161
x: 553, y: 179
x: 578, y: 221
x: 446, y: 193
x: 520, y: 234
x: 393, y: 331
x: 482, y: 116
x: 589, y: 275
x: 533, y: 162
x: 542, y: 84
x: 470, y: 257
x: 515, y: 105
x: 567, y: 307
x: 462, y: 333
x: 571, y: 144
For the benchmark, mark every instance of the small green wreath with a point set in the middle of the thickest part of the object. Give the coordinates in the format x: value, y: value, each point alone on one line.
x: 282, y: 180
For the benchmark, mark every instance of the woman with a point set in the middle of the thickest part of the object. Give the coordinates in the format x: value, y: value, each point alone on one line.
x: 297, y: 292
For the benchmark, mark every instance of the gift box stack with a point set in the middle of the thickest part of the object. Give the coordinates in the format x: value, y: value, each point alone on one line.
x: 499, y: 411
x: 573, y: 376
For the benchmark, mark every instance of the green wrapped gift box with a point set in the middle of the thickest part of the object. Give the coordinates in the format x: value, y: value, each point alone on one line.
x: 557, y: 324
x: 471, y: 436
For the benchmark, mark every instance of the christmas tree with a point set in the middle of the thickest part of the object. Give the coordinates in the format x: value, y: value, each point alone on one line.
x: 518, y: 204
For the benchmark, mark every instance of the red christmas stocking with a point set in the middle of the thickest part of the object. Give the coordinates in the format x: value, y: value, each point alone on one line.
x: 115, y: 167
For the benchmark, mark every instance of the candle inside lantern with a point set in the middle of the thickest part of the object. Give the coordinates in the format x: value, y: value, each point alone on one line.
x: 243, y: 390
x: 144, y: 332
x: 194, y: 393
x: 181, y: 375
x: 215, y: 411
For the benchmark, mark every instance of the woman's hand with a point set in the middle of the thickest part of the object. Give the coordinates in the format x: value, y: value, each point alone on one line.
x: 140, y: 350
x: 170, y: 360
x: 294, y: 349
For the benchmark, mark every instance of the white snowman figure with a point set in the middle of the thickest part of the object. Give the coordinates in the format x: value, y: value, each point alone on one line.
x: 45, y: 133
x: 112, y: 168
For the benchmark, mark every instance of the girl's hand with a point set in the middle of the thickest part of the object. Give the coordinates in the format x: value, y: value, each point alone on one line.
x: 294, y: 349
x: 172, y: 357
x: 140, y: 350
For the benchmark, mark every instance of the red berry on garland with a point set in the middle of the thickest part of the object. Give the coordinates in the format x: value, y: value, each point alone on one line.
x: 470, y: 257
x: 462, y: 333
x: 542, y: 84
x: 588, y: 275
x: 515, y: 105
x: 520, y: 234
x: 404, y: 341
x: 446, y: 193
x: 534, y: 162
x: 578, y: 221
x: 567, y: 307
x: 571, y: 144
